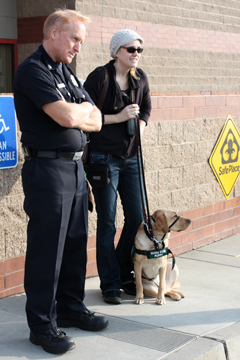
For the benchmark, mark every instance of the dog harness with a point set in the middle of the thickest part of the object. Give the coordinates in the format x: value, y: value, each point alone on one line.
x: 154, y: 254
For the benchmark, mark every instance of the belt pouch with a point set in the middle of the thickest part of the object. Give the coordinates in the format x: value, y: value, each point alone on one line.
x: 97, y: 174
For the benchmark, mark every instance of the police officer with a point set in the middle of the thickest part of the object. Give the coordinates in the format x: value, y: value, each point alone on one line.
x: 54, y: 112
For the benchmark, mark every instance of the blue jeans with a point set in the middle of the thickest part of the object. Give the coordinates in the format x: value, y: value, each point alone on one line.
x: 114, y: 266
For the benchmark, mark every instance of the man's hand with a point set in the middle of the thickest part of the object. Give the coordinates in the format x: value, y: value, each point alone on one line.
x: 82, y: 116
x: 94, y: 121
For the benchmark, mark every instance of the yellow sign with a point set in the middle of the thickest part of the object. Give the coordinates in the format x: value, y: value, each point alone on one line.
x: 225, y: 158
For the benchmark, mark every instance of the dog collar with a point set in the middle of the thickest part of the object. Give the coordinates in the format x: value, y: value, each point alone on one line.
x: 152, y: 238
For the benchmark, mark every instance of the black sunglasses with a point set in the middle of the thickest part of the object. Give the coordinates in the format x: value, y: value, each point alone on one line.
x: 132, y: 49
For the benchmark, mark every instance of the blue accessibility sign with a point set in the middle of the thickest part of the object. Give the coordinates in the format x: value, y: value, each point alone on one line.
x: 8, y: 133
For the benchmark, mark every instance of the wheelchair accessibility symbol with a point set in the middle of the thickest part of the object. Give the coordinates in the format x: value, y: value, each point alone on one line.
x: 3, y: 126
x: 8, y: 133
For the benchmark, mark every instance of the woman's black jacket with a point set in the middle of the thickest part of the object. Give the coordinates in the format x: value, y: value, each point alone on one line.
x: 113, y: 139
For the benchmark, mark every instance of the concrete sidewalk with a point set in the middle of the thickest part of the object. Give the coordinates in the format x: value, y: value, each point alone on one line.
x: 204, y: 325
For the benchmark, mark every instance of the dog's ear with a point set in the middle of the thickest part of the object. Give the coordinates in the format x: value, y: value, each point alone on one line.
x: 161, y: 223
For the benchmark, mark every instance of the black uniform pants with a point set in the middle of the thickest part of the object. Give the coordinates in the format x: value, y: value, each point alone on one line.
x: 56, y: 202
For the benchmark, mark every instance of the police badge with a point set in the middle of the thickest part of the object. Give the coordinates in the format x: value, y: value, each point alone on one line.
x: 73, y: 80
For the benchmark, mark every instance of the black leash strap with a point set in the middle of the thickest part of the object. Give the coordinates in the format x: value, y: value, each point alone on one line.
x: 145, y: 208
x: 143, y: 190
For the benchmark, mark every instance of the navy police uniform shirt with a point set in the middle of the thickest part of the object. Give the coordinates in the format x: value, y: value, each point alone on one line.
x: 39, y: 81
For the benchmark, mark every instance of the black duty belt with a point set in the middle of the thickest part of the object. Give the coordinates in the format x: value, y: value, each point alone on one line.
x: 62, y: 155
x: 29, y: 154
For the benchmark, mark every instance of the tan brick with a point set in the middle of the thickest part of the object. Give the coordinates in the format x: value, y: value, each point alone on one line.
x: 14, y: 279
x: 203, y: 150
x: 183, y: 155
x: 224, y: 111
x: 208, y: 230
x: 150, y: 135
x: 175, y: 241
x: 205, y: 112
x: 203, y: 221
x: 204, y: 241
x: 232, y: 203
x: 193, y: 236
x: 2, y: 245
x: 152, y: 183
x: 170, y: 179
x: 162, y: 201
x: 2, y: 267
x: 171, y: 132
x: 193, y: 213
x: 91, y: 269
x: 183, y: 248
x: 91, y: 255
x: 1, y: 283
x: 182, y: 114
x: 160, y: 114
x: 12, y: 291
x: 193, y: 101
x: 12, y: 183
x: 209, y: 209
x: 204, y: 195
x: 223, y: 234
x: 183, y: 199
x: 92, y: 222
x: 199, y: 174
x: 216, y: 100
x: 157, y: 157
x: 15, y: 241
x: 193, y: 130
x: 1, y: 183
x: 170, y: 102
x: 12, y: 212
x: 233, y: 100
x: 223, y: 215
x: 14, y: 264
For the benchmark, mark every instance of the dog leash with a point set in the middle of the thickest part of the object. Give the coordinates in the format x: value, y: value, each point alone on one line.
x: 145, y: 208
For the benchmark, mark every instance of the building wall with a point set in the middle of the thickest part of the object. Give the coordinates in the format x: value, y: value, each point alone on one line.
x: 8, y: 19
x: 192, y: 59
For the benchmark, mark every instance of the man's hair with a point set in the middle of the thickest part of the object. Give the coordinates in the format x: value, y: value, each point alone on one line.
x: 62, y: 18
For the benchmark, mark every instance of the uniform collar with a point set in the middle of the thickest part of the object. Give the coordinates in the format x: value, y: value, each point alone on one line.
x: 51, y: 65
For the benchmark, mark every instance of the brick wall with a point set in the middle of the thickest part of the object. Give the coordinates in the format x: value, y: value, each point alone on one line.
x: 192, y: 59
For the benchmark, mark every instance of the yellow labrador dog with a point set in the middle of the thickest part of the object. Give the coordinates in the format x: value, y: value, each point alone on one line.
x: 153, y: 275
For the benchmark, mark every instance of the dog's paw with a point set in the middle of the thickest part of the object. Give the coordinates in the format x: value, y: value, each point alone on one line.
x: 160, y: 301
x: 139, y: 301
x: 176, y: 297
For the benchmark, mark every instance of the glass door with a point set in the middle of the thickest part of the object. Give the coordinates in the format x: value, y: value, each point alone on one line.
x: 7, y: 67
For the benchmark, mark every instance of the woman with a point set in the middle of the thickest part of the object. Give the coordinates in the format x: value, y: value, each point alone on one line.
x: 127, y: 96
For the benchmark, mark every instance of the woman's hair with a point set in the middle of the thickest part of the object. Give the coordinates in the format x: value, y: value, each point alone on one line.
x: 62, y: 18
x: 133, y: 73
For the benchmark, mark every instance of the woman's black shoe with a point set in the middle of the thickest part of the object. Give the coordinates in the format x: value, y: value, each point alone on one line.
x: 53, y: 341
x: 112, y: 297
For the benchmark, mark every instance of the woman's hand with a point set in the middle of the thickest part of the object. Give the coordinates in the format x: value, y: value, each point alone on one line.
x: 129, y: 112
